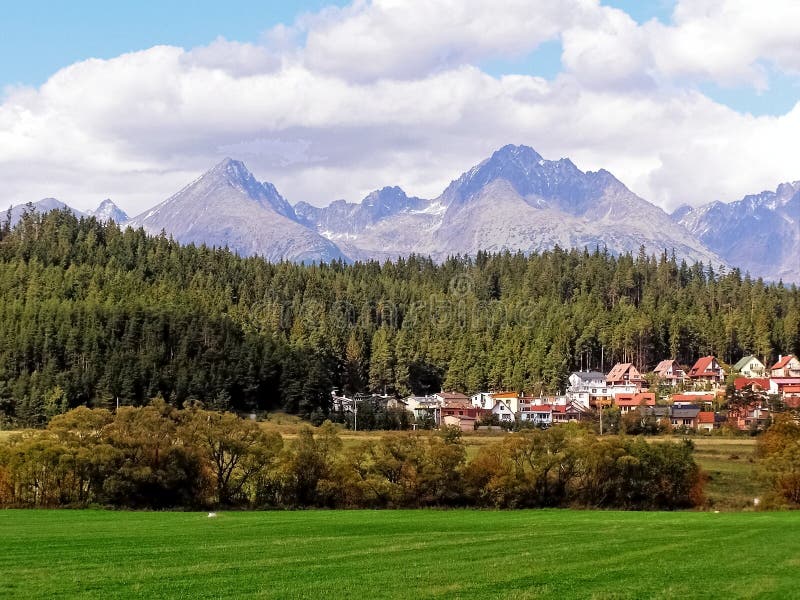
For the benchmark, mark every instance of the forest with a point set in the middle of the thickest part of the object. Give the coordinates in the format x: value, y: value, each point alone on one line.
x: 99, y: 316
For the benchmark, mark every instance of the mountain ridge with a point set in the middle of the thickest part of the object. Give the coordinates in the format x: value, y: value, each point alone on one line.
x: 759, y: 233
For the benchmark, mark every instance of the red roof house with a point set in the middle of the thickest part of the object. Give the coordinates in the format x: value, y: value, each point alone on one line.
x: 787, y: 366
x: 791, y: 396
x: 707, y: 369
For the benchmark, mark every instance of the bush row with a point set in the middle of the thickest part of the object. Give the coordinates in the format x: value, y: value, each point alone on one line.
x: 159, y: 457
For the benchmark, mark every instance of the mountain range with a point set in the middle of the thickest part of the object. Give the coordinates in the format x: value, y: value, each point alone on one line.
x: 759, y: 234
x: 514, y: 200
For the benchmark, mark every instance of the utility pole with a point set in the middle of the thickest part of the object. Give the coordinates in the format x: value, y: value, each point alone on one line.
x: 601, y: 415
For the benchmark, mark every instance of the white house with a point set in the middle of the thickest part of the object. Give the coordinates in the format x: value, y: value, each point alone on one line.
x: 503, y: 412
x: 482, y: 400
x: 586, y: 386
x: 750, y: 366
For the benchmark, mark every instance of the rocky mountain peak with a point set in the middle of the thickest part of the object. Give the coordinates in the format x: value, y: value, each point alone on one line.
x: 108, y: 211
x: 230, y: 173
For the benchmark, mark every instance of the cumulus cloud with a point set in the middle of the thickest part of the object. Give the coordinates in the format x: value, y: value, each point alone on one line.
x: 382, y: 93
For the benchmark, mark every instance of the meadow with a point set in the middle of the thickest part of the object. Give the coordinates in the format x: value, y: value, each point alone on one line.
x: 399, y: 554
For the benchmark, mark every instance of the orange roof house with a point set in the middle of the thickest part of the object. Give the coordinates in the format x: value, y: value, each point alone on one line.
x: 628, y: 402
x: 623, y: 373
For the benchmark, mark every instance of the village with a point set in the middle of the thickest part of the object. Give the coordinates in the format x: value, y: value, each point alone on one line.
x: 700, y: 398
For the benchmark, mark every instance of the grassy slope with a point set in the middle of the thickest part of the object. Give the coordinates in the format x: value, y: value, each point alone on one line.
x: 399, y: 554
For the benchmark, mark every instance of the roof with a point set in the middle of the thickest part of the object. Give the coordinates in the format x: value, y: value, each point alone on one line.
x: 692, y: 397
x: 664, y: 365
x: 565, y: 408
x: 743, y: 362
x: 451, y: 396
x: 589, y: 375
x: 702, y: 366
x: 504, y: 395
x: 646, y: 398
x: 783, y: 361
x: 541, y: 408
x: 618, y: 370
x: 685, y: 412
x: 463, y: 404
x: 742, y: 382
x: 705, y: 416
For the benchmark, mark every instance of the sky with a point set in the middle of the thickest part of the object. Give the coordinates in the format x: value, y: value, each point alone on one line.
x: 685, y: 101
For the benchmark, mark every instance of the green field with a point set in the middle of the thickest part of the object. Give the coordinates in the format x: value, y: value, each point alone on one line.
x: 399, y: 554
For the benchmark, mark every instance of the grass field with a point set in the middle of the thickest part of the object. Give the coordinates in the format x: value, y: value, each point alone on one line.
x: 399, y: 554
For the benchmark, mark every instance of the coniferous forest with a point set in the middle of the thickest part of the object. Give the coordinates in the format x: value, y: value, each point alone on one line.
x: 94, y: 315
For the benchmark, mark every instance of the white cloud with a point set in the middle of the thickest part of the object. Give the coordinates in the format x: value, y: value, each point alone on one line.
x: 400, y: 39
x: 386, y: 93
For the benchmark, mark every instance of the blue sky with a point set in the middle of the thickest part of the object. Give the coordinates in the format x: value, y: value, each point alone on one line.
x: 691, y: 108
x: 44, y: 36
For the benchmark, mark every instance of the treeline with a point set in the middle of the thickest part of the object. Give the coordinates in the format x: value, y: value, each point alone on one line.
x: 160, y: 457
x: 94, y: 315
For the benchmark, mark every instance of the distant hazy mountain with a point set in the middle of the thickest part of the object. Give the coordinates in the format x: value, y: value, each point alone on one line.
x: 228, y: 207
x: 759, y: 233
x: 42, y: 206
x: 108, y: 211
x: 515, y: 200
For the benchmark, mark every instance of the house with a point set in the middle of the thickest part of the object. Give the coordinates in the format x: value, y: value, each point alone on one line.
x: 787, y: 366
x: 753, y: 384
x: 425, y: 407
x: 343, y: 404
x: 396, y: 404
x: 707, y: 370
x: 460, y: 408
x: 512, y: 400
x: 503, y: 412
x: 463, y: 422
x: 750, y: 416
x: 750, y: 366
x: 777, y: 384
x: 670, y: 372
x: 623, y: 375
x: 566, y: 413
x: 708, y: 421
x: 585, y: 387
x: 684, y: 416
x: 541, y: 415
x: 482, y: 400
x: 791, y: 396
x: 628, y: 402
